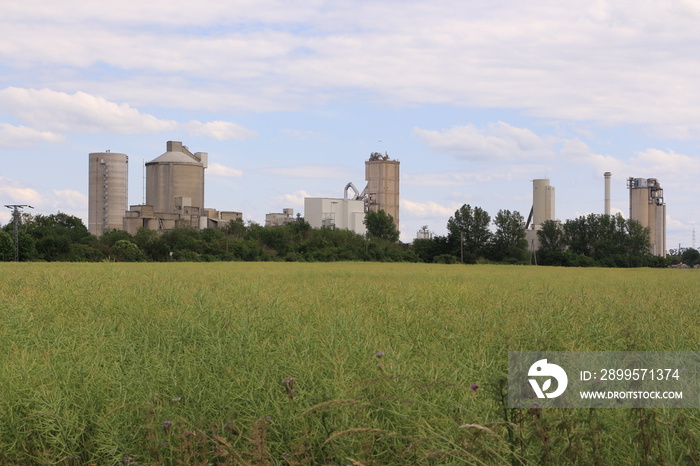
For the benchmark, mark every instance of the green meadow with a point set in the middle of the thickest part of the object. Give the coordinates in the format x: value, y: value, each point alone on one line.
x: 327, y: 363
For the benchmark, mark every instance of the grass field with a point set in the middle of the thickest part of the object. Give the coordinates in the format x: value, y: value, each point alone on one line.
x: 333, y: 363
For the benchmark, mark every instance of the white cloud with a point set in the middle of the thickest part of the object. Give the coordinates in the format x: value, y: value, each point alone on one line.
x: 498, y: 140
x: 295, y: 198
x: 216, y: 169
x: 220, y: 130
x: 69, y: 199
x: 615, y: 63
x: 18, y: 137
x: 78, y: 112
x: 15, y: 192
x: 86, y: 113
x: 427, y: 209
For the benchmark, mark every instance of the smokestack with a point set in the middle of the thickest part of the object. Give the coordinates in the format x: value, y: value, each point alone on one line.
x: 607, y: 176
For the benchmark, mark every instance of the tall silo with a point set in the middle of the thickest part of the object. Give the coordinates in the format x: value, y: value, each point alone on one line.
x: 542, y: 202
x: 648, y: 208
x: 382, y: 189
x: 107, y: 191
x: 176, y: 179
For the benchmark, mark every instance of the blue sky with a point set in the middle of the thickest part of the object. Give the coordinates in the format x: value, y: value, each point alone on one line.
x: 289, y: 98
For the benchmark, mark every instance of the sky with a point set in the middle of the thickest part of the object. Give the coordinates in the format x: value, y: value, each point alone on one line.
x: 289, y: 98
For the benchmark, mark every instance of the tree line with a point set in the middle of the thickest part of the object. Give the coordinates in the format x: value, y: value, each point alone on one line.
x: 473, y: 236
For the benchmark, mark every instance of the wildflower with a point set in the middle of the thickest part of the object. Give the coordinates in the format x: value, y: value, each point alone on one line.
x: 379, y: 354
x: 288, y: 383
x: 166, y: 426
x: 475, y: 387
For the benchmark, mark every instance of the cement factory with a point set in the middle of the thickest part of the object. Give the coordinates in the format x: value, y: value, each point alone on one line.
x: 646, y: 207
x: 175, y: 197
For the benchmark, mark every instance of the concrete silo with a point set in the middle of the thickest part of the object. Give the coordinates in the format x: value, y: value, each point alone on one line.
x: 542, y: 202
x: 382, y: 189
x: 175, y: 180
x: 648, y: 208
x: 107, y: 191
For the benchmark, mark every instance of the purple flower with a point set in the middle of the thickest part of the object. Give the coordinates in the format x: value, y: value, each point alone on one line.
x: 475, y: 387
x: 379, y: 354
x: 166, y: 425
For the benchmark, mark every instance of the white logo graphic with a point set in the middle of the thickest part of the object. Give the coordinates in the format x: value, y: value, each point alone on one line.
x: 542, y: 369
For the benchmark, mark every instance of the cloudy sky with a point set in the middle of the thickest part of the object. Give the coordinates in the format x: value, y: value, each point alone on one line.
x: 289, y: 97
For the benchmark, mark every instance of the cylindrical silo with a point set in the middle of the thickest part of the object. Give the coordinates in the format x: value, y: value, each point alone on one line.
x: 175, y: 174
x: 107, y: 191
x: 648, y: 208
x: 639, y: 200
x: 542, y: 201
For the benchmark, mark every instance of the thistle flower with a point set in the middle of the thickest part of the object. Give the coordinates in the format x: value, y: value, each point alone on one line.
x: 475, y: 387
x: 166, y: 426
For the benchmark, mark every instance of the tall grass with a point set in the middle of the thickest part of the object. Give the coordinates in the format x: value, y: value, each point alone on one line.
x: 345, y: 363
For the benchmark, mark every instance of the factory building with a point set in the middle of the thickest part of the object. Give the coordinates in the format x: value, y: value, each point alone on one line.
x: 347, y: 214
x: 648, y: 208
x: 107, y: 191
x: 543, y: 202
x: 175, y: 194
x: 381, y: 193
x: 278, y: 219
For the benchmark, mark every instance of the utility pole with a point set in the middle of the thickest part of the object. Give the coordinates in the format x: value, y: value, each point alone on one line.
x: 15, y: 227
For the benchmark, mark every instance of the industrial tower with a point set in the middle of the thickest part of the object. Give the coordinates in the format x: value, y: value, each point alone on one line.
x: 107, y: 195
x: 382, y: 189
x: 648, y: 208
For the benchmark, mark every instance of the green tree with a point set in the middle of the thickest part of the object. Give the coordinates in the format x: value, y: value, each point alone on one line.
x: 551, y: 237
x: 234, y: 229
x: 468, y: 231
x: 7, y: 247
x: 152, y: 244
x: 381, y: 225
x: 690, y: 257
x: 126, y: 251
x: 508, y: 242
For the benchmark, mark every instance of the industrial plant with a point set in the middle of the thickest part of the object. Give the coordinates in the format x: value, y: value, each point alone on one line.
x: 648, y: 208
x: 174, y: 193
x: 380, y: 193
x: 174, y: 196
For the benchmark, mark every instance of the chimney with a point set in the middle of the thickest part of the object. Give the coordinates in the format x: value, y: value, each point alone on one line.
x: 607, y: 176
